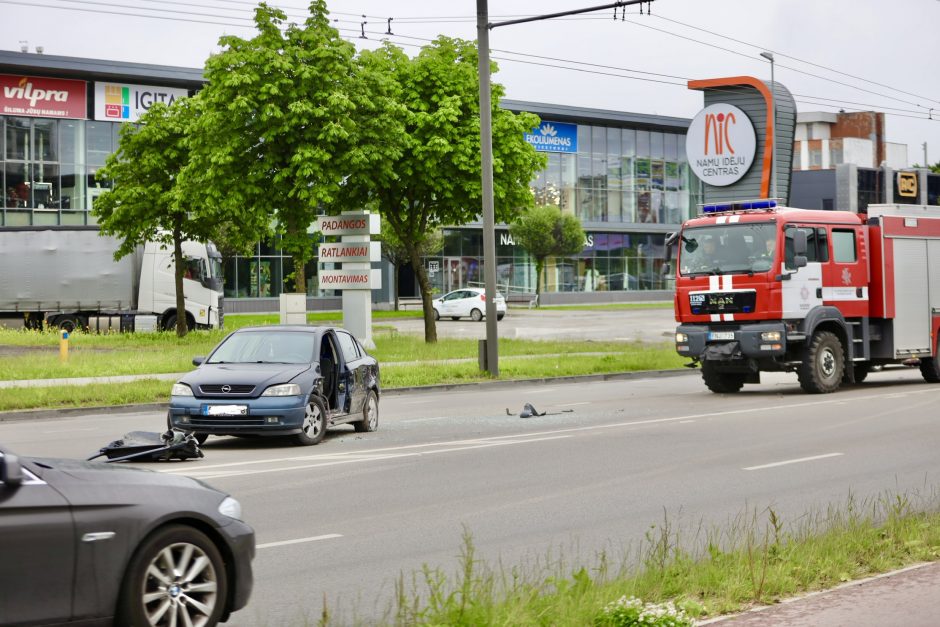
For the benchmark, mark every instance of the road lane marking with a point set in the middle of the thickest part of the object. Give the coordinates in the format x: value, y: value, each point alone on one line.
x: 328, y: 536
x: 371, y: 454
x: 793, y: 461
x: 321, y: 461
x: 573, y: 404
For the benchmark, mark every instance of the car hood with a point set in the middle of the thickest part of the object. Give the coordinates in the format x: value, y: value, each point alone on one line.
x: 259, y: 375
x: 74, y: 471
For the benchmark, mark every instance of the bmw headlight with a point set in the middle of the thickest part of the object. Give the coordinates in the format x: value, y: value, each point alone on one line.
x: 181, y: 389
x: 231, y: 508
x: 285, y: 389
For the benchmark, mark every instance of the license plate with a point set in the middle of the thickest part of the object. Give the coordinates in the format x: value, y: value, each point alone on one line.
x: 721, y: 335
x: 224, y: 410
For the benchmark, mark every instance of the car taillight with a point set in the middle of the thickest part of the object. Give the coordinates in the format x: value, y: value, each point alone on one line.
x: 482, y: 296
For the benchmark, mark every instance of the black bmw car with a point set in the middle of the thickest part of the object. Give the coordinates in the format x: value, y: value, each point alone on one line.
x: 279, y: 380
x: 95, y: 544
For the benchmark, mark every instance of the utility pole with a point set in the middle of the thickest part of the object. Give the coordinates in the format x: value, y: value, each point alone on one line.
x: 486, y: 159
x: 773, y: 117
x: 926, y: 163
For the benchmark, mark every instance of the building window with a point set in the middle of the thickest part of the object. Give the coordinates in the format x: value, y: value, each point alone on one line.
x: 815, y: 157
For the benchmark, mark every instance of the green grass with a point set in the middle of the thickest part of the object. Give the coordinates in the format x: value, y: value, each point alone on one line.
x: 93, y: 395
x: 607, y: 306
x: 756, y: 559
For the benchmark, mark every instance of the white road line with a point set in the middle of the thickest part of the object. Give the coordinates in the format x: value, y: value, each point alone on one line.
x: 573, y: 404
x: 793, y: 461
x: 337, y: 460
x: 371, y: 454
x: 328, y: 536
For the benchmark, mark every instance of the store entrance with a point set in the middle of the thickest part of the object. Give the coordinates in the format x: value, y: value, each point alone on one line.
x: 453, y: 274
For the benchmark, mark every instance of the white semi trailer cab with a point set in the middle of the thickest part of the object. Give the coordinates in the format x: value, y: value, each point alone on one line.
x: 67, y: 277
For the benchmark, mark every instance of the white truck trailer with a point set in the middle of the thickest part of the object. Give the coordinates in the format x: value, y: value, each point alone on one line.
x: 67, y: 277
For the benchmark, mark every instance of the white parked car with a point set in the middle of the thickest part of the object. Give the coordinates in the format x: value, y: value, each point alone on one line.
x: 469, y: 301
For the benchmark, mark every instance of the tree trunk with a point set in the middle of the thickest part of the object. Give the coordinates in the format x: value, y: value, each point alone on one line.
x: 181, y: 327
x: 430, y: 329
x: 300, y: 277
x: 539, y: 266
x: 397, y: 276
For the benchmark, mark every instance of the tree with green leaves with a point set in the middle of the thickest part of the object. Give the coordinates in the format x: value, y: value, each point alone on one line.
x: 278, y: 132
x: 545, y: 231
x: 425, y: 170
x: 397, y: 252
x: 145, y: 203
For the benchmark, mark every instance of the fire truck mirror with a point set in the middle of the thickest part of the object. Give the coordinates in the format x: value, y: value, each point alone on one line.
x: 799, y: 261
x: 667, y: 269
x: 799, y: 245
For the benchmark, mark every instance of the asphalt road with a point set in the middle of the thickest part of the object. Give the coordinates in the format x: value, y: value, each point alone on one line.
x: 343, y: 520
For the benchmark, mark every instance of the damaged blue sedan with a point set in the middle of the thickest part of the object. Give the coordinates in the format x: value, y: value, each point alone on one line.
x: 279, y: 380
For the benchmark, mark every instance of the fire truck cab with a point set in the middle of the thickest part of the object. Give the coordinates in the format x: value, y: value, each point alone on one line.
x: 829, y: 295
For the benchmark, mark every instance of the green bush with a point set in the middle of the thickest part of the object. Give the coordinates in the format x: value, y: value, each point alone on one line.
x: 630, y: 612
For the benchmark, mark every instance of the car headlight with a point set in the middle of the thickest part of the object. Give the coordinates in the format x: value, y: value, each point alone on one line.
x: 231, y: 508
x: 285, y: 389
x: 681, y: 338
x: 770, y: 336
x: 181, y: 389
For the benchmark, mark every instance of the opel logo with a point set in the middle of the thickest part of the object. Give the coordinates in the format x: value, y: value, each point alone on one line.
x: 226, y: 388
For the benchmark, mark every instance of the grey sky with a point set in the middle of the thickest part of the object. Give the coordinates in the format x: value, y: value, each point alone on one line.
x: 893, y: 44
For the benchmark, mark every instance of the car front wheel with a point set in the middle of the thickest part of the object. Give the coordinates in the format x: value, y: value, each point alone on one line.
x: 370, y: 415
x: 176, y: 577
x: 314, y: 426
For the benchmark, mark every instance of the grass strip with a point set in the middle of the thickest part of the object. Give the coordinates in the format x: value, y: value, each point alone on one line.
x: 92, y: 395
x: 755, y: 560
x: 632, y: 358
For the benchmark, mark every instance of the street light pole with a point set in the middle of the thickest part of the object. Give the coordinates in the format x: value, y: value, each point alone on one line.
x: 773, y: 116
x: 486, y: 165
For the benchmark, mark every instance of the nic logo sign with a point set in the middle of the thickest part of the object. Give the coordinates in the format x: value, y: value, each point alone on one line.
x: 721, y: 144
x: 554, y: 137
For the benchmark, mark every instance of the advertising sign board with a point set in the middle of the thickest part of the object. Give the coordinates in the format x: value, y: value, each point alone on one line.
x: 348, y: 224
x: 721, y: 144
x: 554, y: 137
x: 350, y: 251
x: 907, y: 184
x: 364, y: 279
x: 34, y: 96
x: 121, y: 102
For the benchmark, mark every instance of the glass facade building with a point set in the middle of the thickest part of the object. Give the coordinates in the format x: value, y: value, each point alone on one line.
x: 623, y: 175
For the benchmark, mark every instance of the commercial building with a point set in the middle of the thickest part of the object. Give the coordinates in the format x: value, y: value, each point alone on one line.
x: 624, y: 176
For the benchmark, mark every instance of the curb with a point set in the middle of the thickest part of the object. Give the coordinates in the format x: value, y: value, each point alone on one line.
x: 67, y: 412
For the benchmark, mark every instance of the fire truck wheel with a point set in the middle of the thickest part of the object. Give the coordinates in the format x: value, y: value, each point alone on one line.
x: 930, y: 367
x: 721, y: 382
x: 823, y: 364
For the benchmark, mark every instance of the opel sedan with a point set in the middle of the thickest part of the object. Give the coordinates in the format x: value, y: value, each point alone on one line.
x: 279, y: 380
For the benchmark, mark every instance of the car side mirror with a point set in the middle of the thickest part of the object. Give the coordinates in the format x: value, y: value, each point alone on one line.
x: 667, y: 269
x: 799, y: 243
x: 11, y: 473
x: 198, y: 361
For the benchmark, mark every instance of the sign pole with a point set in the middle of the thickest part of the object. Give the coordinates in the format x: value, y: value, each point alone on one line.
x: 486, y: 163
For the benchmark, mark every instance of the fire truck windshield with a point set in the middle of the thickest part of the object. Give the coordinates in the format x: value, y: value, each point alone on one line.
x: 728, y: 249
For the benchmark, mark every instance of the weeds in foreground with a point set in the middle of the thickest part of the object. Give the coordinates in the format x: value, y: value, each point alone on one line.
x: 672, y: 579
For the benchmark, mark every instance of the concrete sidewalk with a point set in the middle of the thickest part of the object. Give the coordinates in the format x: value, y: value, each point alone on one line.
x: 908, y: 597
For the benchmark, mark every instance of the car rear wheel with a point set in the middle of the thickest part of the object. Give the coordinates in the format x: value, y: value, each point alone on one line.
x: 476, y: 315
x: 176, y: 577
x: 370, y: 415
x: 500, y: 316
x: 314, y: 426
x: 437, y: 315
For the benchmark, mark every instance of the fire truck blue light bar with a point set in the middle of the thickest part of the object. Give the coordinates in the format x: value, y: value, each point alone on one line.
x: 740, y: 206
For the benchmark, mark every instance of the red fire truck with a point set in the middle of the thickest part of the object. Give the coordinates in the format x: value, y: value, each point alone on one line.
x: 829, y: 295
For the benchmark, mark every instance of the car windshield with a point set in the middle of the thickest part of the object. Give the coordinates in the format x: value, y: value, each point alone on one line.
x: 727, y: 249
x: 252, y: 347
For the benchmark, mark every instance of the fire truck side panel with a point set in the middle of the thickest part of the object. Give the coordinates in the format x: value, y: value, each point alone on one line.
x: 802, y: 292
x: 845, y: 275
x: 912, y: 322
x: 881, y: 281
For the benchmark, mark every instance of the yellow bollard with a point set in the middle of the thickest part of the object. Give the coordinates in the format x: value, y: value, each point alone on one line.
x: 63, y: 345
